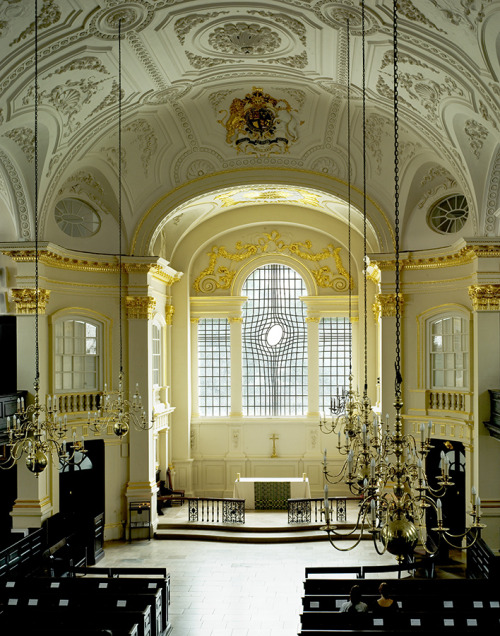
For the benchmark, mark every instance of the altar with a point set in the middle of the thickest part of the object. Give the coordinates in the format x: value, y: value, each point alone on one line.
x: 270, y: 493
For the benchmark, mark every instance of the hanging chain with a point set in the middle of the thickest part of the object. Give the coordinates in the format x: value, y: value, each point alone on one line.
x: 35, y: 212
x: 349, y: 182
x: 396, y: 199
x: 120, y: 180
x: 364, y: 194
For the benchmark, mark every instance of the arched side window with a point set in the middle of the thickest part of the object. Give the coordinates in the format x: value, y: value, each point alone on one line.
x: 77, y: 354
x: 274, y: 339
x: 156, y: 355
x: 448, y: 338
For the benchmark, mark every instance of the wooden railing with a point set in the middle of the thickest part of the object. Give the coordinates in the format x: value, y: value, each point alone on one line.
x: 302, y: 510
x: 216, y: 510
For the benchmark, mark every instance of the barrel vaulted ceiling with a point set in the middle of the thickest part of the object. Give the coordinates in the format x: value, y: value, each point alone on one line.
x: 190, y: 68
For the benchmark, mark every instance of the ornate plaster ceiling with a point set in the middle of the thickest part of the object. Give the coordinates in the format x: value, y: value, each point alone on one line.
x: 188, y: 66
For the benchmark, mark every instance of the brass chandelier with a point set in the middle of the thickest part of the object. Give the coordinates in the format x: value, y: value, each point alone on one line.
x: 38, y: 431
x: 387, y: 467
x: 357, y: 416
x: 115, y: 409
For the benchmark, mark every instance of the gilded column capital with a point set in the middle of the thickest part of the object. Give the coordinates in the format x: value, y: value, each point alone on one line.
x: 140, y: 307
x: 313, y: 319
x: 385, y: 305
x: 235, y: 319
x: 169, y: 314
x: 485, y: 297
x: 195, y: 319
x: 25, y: 300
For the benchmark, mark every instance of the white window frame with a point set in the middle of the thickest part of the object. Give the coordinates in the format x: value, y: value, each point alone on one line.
x: 450, y: 352
x: 64, y: 361
x: 157, y: 356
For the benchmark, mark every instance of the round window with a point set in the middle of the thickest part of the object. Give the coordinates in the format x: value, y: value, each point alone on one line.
x: 77, y: 218
x: 449, y: 215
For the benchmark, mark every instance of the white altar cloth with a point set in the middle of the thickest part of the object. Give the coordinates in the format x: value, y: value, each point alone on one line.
x: 244, y: 488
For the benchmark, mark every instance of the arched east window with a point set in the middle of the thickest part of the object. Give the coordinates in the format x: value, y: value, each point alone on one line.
x: 274, y: 343
x: 449, y: 352
x: 77, y: 355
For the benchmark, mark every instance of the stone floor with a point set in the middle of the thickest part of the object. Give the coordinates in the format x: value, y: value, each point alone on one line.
x: 237, y: 589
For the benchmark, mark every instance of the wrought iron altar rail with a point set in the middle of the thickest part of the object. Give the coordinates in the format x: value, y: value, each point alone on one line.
x: 216, y: 510
x: 301, y: 510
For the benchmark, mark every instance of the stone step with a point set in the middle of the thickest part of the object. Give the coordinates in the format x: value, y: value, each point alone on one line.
x: 210, y: 534
x: 233, y: 533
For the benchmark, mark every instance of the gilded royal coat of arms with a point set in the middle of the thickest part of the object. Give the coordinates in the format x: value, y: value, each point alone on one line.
x: 260, y: 124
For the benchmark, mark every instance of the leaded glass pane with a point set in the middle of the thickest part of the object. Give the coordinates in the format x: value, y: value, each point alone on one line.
x: 214, y: 361
x: 335, y: 342
x: 274, y: 340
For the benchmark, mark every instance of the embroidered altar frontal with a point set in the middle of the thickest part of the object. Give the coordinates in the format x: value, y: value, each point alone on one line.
x: 271, y: 495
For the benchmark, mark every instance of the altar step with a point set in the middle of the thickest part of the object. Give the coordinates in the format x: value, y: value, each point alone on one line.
x: 240, y: 534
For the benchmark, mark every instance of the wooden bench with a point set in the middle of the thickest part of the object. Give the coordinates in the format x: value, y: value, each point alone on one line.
x: 104, y: 590
x: 483, y: 621
x: 32, y: 618
x: 140, y: 578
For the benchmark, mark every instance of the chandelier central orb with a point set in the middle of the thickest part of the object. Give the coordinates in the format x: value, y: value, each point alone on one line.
x: 399, y: 537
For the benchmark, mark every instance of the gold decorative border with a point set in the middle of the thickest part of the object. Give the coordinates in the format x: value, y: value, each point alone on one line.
x: 464, y: 256
x: 25, y: 300
x: 221, y: 277
x: 169, y: 314
x: 385, y: 305
x: 485, y: 297
x: 53, y: 259
x: 140, y: 307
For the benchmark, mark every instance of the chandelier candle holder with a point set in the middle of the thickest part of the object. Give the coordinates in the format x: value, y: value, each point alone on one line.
x: 118, y: 412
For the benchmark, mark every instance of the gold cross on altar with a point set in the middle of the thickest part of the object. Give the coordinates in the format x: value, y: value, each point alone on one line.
x: 274, y: 437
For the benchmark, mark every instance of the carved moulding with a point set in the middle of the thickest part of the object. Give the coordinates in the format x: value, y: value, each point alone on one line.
x: 26, y: 303
x: 385, y: 305
x: 140, y: 307
x: 169, y: 314
x: 485, y: 297
x: 221, y: 276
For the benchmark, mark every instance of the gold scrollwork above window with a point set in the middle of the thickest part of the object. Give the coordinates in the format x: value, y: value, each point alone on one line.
x: 485, y: 297
x: 219, y: 275
x: 385, y: 305
x: 25, y: 300
x: 140, y: 307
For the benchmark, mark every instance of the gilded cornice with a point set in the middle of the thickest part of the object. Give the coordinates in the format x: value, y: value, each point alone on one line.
x: 220, y: 276
x: 464, y: 256
x: 485, y: 297
x: 52, y: 258
x: 140, y: 307
x: 385, y: 305
x: 25, y: 300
